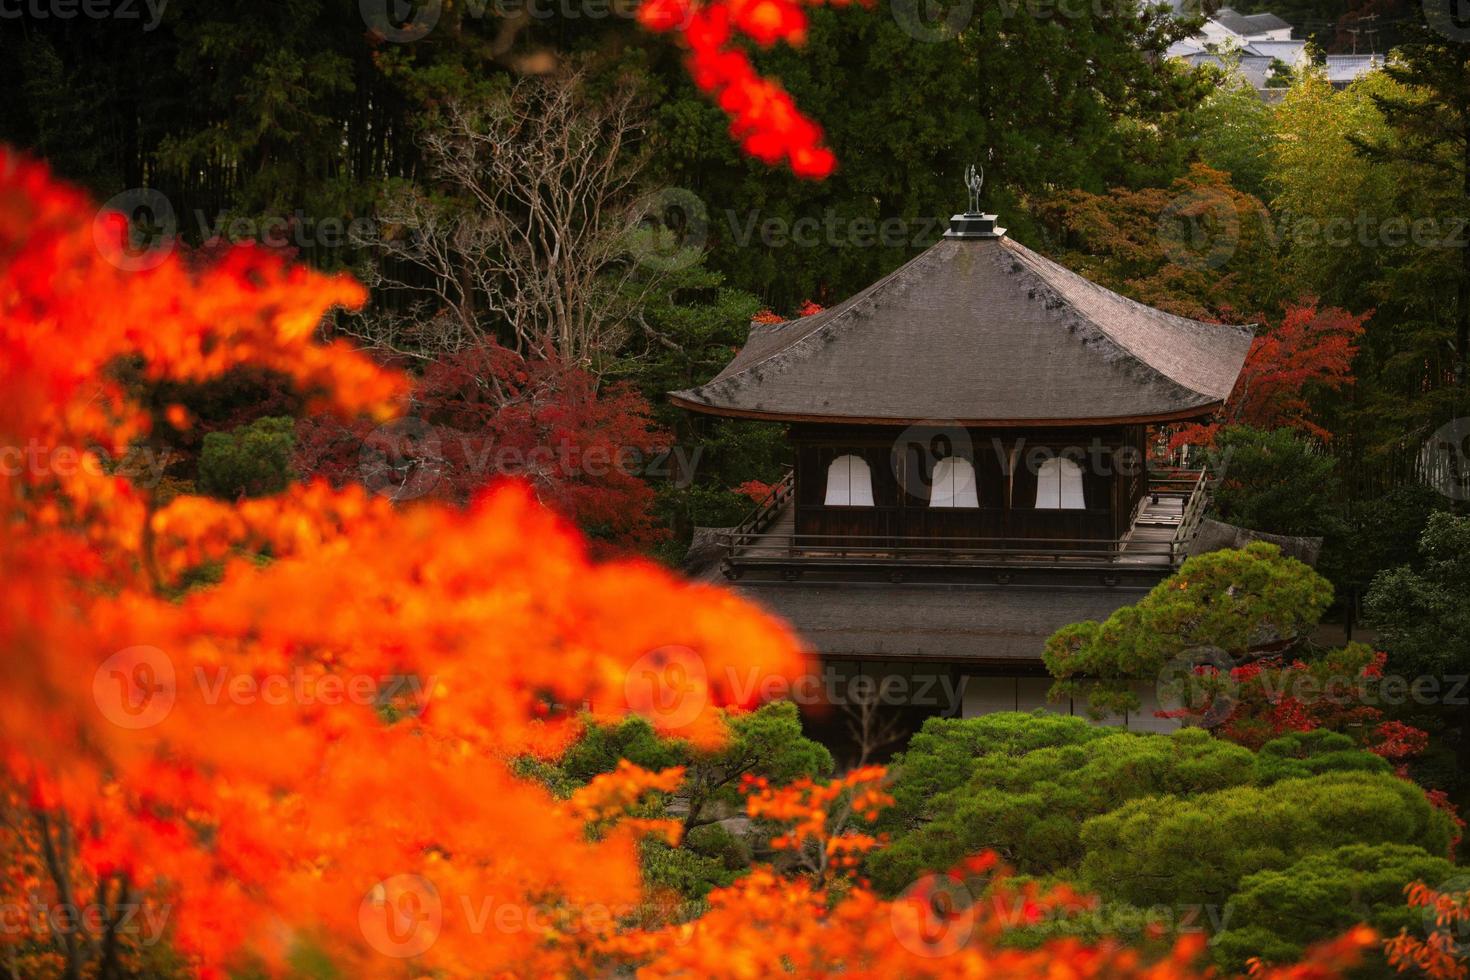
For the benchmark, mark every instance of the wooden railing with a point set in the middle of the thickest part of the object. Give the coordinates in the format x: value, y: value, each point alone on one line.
x: 753, y: 544
x: 1174, y: 481
x: 1196, y: 501
x: 765, y: 513
x: 814, y: 548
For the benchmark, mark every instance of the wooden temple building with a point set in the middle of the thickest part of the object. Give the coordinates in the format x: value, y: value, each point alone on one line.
x: 969, y: 464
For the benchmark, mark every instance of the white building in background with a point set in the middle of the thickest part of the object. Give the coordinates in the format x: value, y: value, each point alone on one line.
x: 1255, y: 44
x: 1228, y: 29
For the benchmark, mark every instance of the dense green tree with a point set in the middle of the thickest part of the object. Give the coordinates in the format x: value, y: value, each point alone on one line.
x: 1322, y: 184
x: 1230, y: 131
x: 1422, y: 611
x: 1241, y: 603
x: 1274, y: 481
x: 907, y: 102
x: 965, y: 785
x: 1384, y: 530
x: 232, y: 111
x: 1276, y: 913
x: 1428, y: 118
x: 1175, y: 849
x: 690, y: 333
x: 1371, y: 209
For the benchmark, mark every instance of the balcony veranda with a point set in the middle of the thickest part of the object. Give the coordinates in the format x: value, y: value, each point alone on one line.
x: 1155, y: 543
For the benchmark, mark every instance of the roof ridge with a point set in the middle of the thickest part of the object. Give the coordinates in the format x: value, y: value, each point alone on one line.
x: 1141, y: 356
x: 1081, y: 322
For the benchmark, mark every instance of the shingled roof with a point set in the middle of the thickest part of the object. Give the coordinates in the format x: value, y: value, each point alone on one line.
x: 957, y: 623
x: 980, y: 330
x: 1248, y: 25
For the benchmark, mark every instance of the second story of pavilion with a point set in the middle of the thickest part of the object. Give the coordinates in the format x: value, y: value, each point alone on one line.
x: 980, y: 407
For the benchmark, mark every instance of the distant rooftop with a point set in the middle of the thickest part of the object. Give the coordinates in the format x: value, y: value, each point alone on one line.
x: 1345, y: 68
x: 1255, y: 68
x: 1287, y: 51
x: 1248, y: 25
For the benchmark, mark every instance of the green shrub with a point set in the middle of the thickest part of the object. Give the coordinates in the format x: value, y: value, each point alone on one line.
x: 1300, y: 754
x: 1276, y: 914
x: 1171, y: 849
x: 687, y: 871
x: 253, y: 460
x: 942, y: 754
x: 1030, y: 806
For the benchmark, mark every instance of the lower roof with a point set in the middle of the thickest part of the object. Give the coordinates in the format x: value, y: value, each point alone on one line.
x: 952, y: 623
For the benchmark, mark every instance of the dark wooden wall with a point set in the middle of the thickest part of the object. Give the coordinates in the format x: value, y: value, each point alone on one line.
x: 902, y: 460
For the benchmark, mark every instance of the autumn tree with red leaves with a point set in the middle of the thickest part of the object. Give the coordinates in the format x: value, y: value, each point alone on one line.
x: 588, y: 451
x: 1309, y: 354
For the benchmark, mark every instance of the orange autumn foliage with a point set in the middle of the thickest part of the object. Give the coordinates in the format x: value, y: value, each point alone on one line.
x: 1441, y: 955
x: 313, y: 754
x: 764, y: 118
x: 807, y: 308
x: 820, y: 815
x: 149, y: 720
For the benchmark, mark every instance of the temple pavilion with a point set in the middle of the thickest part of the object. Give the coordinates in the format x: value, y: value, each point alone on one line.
x: 969, y: 445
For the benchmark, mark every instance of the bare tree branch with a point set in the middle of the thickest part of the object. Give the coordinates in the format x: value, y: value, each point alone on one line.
x: 532, y: 236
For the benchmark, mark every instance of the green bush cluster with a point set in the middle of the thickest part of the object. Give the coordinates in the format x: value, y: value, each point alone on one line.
x: 1182, y: 822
